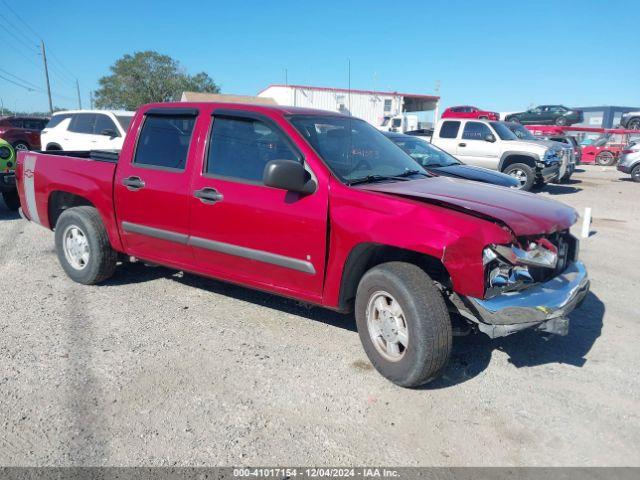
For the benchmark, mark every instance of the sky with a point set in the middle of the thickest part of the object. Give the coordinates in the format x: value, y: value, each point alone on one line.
x: 498, y: 55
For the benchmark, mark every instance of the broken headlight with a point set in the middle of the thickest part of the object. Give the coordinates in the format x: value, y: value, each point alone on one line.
x: 507, y: 266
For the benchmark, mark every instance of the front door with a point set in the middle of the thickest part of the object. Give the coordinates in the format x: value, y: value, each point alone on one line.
x: 242, y: 230
x: 474, y: 149
x: 151, y: 192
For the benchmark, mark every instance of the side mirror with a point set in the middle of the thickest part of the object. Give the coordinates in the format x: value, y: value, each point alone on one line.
x: 288, y: 175
x: 489, y: 137
x: 108, y: 132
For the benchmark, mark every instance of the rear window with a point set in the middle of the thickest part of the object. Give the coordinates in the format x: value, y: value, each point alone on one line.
x: 449, y: 129
x: 57, y: 120
x: 164, y: 141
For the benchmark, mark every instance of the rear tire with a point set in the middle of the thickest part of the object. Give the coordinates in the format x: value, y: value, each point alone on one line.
x: 605, y: 159
x: 523, y: 173
x: 20, y: 147
x: 11, y: 200
x: 561, y: 121
x: 634, y: 124
x: 423, y: 323
x: 513, y: 120
x: 635, y: 174
x: 83, y: 246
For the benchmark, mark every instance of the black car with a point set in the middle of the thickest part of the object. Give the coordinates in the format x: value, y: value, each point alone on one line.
x: 439, y: 162
x: 547, y: 115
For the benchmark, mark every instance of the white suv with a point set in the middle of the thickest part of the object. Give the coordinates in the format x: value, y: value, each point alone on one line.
x: 490, y: 144
x: 86, y: 130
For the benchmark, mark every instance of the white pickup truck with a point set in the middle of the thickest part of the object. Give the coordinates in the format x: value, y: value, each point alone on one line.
x: 491, y: 144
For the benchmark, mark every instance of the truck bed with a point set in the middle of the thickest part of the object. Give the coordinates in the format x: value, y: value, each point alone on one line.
x: 47, y: 179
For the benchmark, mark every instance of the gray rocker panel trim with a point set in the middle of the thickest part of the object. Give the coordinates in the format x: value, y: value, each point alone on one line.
x: 226, y: 248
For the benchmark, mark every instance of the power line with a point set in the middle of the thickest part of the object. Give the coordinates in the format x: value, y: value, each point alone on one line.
x: 18, y: 84
x: 19, y: 79
x: 25, y: 41
x: 21, y: 19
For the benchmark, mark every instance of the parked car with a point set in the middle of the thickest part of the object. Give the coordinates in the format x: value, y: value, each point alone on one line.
x: 86, y: 130
x: 7, y: 175
x: 319, y: 207
x: 23, y: 133
x: 630, y: 120
x: 439, y: 162
x: 469, y: 112
x: 568, y: 160
x: 629, y: 161
x: 604, y: 150
x: 547, y: 115
x: 492, y: 145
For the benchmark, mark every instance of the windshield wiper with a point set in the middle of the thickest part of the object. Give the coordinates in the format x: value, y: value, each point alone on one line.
x: 381, y: 178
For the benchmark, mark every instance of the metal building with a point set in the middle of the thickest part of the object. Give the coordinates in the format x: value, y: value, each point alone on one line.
x: 370, y: 105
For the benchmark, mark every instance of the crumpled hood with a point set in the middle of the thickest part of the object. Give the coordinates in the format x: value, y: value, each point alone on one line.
x: 525, y: 213
x: 530, y: 145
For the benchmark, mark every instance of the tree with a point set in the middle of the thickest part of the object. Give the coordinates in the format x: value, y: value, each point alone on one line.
x: 147, y: 77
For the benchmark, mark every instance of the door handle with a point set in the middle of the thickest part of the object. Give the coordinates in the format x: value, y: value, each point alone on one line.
x: 133, y: 183
x: 462, y: 144
x: 208, y: 195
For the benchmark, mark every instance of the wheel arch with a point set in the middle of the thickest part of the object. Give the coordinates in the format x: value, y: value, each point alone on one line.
x: 509, y: 158
x: 53, y: 146
x: 365, y: 256
x: 60, y: 200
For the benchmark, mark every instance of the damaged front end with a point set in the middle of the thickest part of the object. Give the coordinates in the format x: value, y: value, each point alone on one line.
x: 533, y: 283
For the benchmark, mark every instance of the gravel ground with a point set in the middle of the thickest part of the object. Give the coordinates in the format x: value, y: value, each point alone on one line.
x: 161, y: 368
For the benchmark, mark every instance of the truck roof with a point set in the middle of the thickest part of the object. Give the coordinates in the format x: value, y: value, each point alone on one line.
x: 284, y: 109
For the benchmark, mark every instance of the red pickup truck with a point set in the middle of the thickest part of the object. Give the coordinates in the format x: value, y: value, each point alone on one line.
x: 319, y: 207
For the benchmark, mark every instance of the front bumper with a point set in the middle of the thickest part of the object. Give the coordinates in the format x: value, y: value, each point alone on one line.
x: 549, y: 172
x: 544, y: 306
x: 7, y: 181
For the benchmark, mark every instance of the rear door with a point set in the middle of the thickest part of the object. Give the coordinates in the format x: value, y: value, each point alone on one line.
x: 151, y: 190
x: 245, y: 231
x: 474, y: 149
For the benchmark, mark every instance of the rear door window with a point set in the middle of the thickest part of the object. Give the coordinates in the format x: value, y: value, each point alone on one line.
x: 240, y: 148
x: 449, y: 129
x: 164, y: 141
x: 82, y: 123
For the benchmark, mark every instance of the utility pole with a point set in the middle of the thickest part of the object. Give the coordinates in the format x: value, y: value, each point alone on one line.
x: 91, y: 99
x: 46, y: 74
x: 79, y: 99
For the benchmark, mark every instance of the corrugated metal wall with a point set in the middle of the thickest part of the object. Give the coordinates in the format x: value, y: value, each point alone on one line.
x: 369, y: 107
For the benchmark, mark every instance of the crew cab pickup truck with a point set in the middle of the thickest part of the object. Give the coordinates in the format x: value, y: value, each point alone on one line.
x: 319, y: 207
x: 490, y: 144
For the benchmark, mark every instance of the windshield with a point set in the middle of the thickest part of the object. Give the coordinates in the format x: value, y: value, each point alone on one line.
x: 521, y: 132
x: 124, y: 121
x: 424, y: 153
x: 503, y: 131
x: 353, y: 149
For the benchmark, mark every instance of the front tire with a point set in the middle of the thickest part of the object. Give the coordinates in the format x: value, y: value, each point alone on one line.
x: 523, y: 173
x: 513, y: 120
x: 634, y: 124
x: 635, y: 174
x: 605, y: 159
x: 83, y: 247
x: 403, y: 323
x: 11, y: 200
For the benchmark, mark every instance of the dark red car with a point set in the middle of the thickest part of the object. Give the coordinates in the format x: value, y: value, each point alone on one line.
x: 22, y: 132
x: 319, y: 207
x: 465, y: 111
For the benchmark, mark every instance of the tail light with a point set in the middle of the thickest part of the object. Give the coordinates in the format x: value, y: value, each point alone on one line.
x: 627, y: 151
